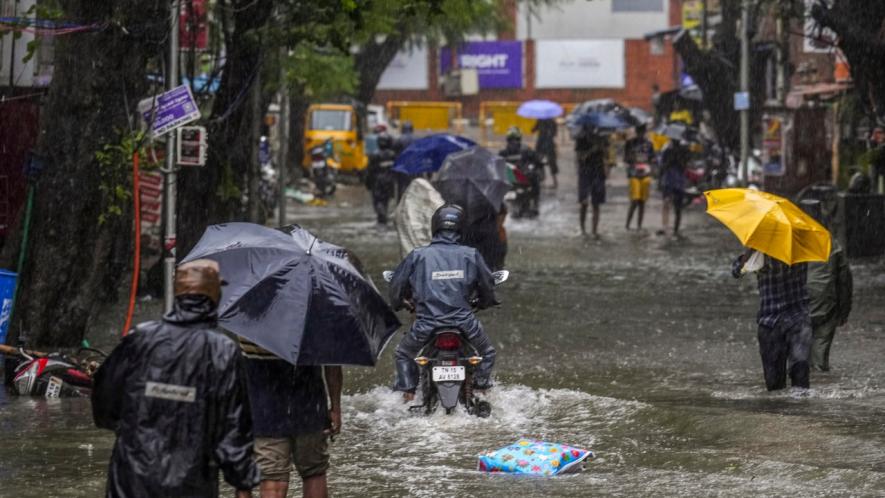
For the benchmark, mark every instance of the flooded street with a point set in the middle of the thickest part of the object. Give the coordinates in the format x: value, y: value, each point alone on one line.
x: 638, y: 347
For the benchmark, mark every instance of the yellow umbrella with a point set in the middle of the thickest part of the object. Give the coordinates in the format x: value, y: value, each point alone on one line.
x: 770, y: 224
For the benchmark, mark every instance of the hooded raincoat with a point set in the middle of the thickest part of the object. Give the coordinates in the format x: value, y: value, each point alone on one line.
x: 174, y: 393
x: 441, y: 279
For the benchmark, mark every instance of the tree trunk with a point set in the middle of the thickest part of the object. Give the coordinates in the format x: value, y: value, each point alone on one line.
x: 858, y: 24
x: 298, y: 105
x: 370, y: 63
x: 214, y: 193
x: 79, y: 249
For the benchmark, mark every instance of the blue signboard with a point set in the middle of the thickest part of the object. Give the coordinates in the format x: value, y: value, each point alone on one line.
x: 169, y: 110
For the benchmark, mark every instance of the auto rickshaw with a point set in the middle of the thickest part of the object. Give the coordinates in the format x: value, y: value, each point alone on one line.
x: 343, y: 125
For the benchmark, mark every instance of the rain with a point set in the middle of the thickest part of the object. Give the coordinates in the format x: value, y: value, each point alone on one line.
x: 318, y: 173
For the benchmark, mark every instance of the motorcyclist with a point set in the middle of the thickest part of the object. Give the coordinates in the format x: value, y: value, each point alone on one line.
x: 380, y: 178
x: 438, y: 281
x: 523, y: 157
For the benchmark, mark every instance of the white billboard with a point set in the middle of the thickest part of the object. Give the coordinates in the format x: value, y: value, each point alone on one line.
x: 407, y: 71
x: 579, y: 64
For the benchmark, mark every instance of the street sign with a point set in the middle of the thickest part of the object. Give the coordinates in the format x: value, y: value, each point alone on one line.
x: 741, y: 101
x: 169, y: 110
x: 191, y: 146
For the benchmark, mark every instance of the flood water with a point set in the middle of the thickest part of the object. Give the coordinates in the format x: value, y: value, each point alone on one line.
x: 639, y: 347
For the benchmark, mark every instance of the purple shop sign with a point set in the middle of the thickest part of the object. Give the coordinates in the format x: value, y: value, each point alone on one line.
x: 498, y: 63
x: 169, y: 110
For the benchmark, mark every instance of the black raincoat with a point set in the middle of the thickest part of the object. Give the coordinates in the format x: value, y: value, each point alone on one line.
x: 174, y: 393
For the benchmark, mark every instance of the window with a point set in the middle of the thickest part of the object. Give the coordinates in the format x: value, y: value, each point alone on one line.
x: 637, y: 5
x: 326, y: 119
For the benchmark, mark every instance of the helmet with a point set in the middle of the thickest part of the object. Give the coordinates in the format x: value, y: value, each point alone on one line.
x: 407, y: 127
x: 385, y: 141
x: 513, y: 134
x: 447, y: 217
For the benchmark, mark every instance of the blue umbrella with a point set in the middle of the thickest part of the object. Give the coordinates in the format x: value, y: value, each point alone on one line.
x: 539, y: 109
x: 601, y: 120
x: 427, y: 154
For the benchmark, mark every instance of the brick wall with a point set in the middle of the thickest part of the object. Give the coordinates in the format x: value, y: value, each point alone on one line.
x: 642, y: 70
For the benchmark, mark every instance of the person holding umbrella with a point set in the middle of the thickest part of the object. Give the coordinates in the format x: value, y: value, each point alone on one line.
x: 781, y: 240
x: 591, y: 147
x: 545, y: 112
x: 302, y: 307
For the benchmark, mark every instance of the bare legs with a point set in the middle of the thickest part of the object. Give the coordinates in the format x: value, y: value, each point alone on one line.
x: 312, y: 487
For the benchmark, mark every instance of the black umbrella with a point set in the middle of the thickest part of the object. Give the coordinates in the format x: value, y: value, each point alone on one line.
x: 303, y: 299
x: 476, y: 180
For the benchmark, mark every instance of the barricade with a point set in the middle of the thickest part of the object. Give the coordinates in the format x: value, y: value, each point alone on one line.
x: 495, y: 118
x: 427, y: 116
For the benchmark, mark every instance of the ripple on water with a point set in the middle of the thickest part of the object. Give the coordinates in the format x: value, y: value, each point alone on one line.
x: 435, y: 454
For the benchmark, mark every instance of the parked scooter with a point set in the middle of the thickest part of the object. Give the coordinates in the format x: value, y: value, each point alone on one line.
x: 55, y: 375
x: 447, y: 364
x: 324, y: 169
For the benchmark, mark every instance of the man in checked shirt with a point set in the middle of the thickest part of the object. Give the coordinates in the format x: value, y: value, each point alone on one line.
x: 784, y: 320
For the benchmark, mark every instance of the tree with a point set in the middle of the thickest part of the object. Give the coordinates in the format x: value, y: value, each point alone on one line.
x: 82, y: 228
x: 858, y: 25
x: 214, y: 193
x: 253, y: 33
x: 716, y: 71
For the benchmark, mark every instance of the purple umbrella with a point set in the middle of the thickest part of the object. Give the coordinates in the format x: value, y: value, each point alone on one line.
x: 539, y: 109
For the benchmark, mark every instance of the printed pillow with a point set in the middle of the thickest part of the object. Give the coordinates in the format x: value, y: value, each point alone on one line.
x: 532, y: 457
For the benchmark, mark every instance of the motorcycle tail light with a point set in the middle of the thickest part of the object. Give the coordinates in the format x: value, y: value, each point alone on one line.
x: 448, y: 342
x: 421, y: 361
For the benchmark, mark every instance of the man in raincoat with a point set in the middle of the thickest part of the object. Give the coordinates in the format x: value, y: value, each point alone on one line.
x: 830, y: 288
x: 174, y: 393
x: 380, y: 178
x: 440, y: 280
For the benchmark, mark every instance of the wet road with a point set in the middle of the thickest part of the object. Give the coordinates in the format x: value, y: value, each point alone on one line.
x: 639, y: 347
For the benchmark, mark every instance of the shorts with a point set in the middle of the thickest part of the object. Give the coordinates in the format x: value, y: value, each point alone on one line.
x: 275, y: 456
x: 592, y: 186
x: 640, y: 188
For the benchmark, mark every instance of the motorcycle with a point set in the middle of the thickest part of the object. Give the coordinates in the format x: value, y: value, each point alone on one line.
x: 447, y: 364
x: 56, y: 375
x: 527, y: 189
x: 323, y: 169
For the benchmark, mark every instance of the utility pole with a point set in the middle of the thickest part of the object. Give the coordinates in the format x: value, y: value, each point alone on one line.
x: 745, y: 89
x: 170, y: 174
x: 705, y: 19
x: 283, y: 167
x: 528, y: 19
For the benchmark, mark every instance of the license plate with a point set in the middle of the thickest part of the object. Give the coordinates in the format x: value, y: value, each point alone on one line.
x: 53, y: 388
x: 447, y: 374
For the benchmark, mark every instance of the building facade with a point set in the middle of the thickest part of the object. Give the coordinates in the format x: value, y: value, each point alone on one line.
x: 568, y: 52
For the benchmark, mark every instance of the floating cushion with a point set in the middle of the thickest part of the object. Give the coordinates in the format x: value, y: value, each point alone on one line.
x: 532, y: 457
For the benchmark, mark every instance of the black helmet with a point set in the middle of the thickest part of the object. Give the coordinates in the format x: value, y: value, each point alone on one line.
x: 447, y: 217
x: 514, y: 134
x: 385, y: 141
x: 407, y: 127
